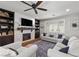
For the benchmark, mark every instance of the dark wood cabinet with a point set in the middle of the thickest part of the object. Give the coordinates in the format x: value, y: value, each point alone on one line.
x: 37, y: 28
x: 6, y: 27
x: 6, y: 40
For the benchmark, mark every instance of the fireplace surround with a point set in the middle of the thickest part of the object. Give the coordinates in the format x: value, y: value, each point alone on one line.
x: 26, y: 36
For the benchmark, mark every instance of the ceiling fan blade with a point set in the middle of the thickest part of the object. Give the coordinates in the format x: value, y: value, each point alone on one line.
x: 26, y: 3
x: 42, y: 9
x: 38, y: 3
x: 35, y: 11
x: 28, y: 9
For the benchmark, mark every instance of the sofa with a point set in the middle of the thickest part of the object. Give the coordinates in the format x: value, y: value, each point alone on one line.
x: 72, y: 51
x: 52, y: 37
x: 22, y: 51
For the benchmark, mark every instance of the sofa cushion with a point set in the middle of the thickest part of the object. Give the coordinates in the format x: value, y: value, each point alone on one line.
x: 64, y: 50
x: 27, y: 52
x: 12, y: 52
x: 58, y: 44
x: 3, y: 51
x: 72, y: 40
x: 65, y: 41
x: 74, y: 48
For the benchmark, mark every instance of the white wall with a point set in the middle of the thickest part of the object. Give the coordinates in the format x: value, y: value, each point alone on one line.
x: 17, y: 21
x: 71, y: 31
x: 69, y: 19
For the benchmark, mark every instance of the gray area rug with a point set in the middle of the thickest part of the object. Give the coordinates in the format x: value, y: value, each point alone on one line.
x: 43, y: 46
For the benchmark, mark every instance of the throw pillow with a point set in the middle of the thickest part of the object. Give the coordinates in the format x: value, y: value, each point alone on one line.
x: 44, y: 34
x: 51, y: 35
x: 64, y: 50
x: 59, y: 36
x: 65, y: 41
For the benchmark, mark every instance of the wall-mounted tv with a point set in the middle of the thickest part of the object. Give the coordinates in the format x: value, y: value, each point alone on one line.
x: 26, y: 22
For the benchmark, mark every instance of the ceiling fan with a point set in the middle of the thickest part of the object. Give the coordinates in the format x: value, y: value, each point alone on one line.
x: 34, y: 6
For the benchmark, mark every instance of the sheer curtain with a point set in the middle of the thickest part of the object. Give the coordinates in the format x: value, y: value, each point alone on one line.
x: 57, y: 27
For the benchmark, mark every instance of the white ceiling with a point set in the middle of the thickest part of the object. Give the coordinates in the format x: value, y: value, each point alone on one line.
x: 55, y: 8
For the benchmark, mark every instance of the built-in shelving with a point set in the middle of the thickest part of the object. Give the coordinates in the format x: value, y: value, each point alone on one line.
x: 37, y: 28
x: 6, y: 19
x: 6, y: 27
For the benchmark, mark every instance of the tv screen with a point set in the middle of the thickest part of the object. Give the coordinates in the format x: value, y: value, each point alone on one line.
x: 26, y: 22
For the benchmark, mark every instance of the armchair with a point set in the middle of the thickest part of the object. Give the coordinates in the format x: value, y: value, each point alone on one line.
x: 23, y: 51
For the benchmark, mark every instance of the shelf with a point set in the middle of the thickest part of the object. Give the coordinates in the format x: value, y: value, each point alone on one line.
x: 5, y: 30
x: 6, y: 23
x: 4, y: 18
x: 36, y: 25
x: 6, y: 35
x: 37, y: 22
x: 36, y: 29
x: 6, y: 11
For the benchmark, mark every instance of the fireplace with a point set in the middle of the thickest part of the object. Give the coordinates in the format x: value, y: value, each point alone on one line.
x: 26, y: 36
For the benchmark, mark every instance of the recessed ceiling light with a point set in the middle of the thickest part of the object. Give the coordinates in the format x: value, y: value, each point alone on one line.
x: 67, y: 10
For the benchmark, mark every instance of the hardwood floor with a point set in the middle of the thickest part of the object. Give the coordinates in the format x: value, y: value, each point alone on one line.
x: 30, y: 41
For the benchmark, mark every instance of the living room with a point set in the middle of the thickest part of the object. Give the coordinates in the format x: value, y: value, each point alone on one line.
x: 39, y: 28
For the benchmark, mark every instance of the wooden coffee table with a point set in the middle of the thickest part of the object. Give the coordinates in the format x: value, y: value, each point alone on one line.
x: 30, y: 42
x: 29, y: 45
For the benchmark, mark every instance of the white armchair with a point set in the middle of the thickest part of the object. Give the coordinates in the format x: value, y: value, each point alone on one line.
x: 23, y: 51
x: 27, y: 52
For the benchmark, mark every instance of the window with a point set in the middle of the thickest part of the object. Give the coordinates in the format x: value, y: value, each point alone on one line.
x: 57, y: 27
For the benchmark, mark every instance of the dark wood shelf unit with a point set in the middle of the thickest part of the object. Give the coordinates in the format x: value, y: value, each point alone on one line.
x: 7, y: 39
x: 37, y: 28
x: 6, y: 27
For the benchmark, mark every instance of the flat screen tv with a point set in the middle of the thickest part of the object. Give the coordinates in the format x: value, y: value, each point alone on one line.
x: 26, y: 22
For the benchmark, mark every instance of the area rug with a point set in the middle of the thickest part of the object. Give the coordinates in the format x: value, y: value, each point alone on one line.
x: 43, y: 46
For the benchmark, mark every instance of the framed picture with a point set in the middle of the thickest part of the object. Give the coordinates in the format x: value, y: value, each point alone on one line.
x: 74, y: 25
